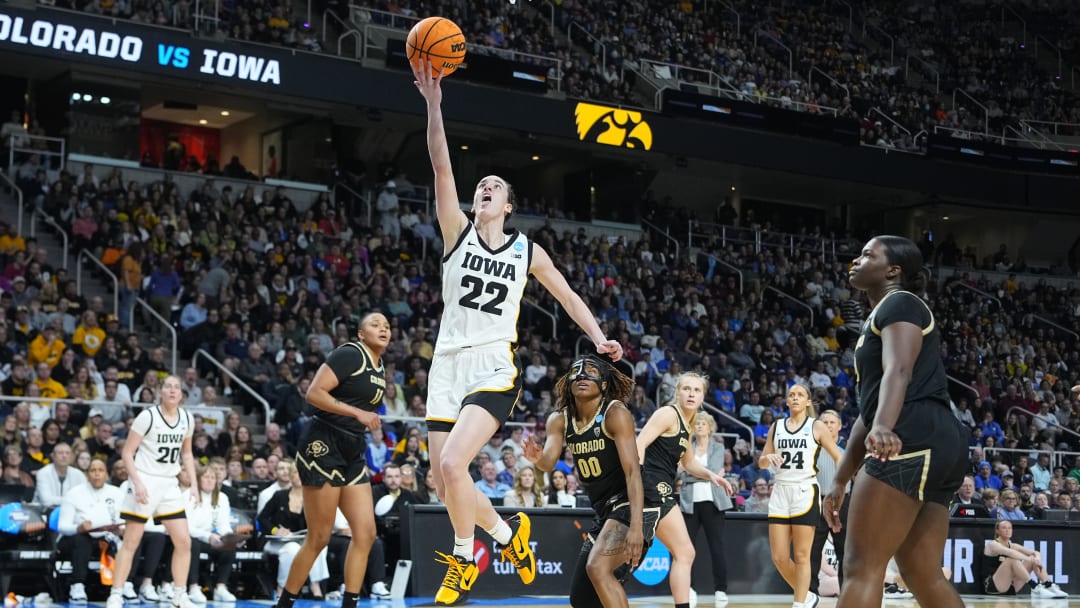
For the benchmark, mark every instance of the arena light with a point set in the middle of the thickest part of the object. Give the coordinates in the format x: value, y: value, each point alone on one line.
x: 76, y: 97
x: 202, y: 121
x: 224, y: 112
x: 464, y: 147
x: 87, y: 97
x: 535, y: 157
x: 106, y: 101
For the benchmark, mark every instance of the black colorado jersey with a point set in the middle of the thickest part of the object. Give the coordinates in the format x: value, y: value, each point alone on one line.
x: 928, y: 381
x: 596, y: 458
x: 663, y: 455
x: 360, y: 384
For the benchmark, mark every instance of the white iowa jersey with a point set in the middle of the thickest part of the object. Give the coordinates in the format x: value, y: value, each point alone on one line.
x: 159, y: 452
x: 799, y: 451
x: 482, y: 290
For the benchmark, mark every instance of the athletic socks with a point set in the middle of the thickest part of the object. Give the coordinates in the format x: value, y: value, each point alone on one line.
x: 348, y: 599
x: 501, y: 532
x: 463, y: 548
x: 287, y: 598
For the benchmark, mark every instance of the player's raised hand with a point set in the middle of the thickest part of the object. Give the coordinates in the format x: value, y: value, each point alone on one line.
x: 611, y: 348
x: 531, y: 450
x: 430, y: 86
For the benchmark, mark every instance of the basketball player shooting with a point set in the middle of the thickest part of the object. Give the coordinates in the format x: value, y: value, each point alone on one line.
x: 476, y: 376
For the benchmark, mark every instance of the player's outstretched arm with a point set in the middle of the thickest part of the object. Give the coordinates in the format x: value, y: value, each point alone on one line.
x: 544, y: 270
x: 451, y: 219
x: 544, y: 457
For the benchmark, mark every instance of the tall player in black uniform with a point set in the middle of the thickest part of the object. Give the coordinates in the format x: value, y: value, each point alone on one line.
x: 594, y: 422
x: 663, y: 445
x: 330, y: 456
x: 915, y: 451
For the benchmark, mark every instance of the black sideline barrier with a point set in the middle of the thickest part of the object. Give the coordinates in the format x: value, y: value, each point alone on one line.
x: 557, y: 536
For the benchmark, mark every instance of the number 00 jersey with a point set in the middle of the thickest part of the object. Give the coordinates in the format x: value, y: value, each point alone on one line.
x: 482, y: 290
x: 799, y: 450
x: 159, y: 451
x: 596, y: 458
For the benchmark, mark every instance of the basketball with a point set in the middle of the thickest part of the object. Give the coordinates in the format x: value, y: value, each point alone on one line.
x: 438, y: 40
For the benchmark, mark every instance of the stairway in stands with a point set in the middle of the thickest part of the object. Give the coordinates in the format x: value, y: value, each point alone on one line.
x: 94, y: 284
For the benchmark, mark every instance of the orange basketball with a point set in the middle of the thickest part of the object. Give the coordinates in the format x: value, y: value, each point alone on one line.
x: 438, y: 40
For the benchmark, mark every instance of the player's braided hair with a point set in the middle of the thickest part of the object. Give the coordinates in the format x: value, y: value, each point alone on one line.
x: 619, y: 386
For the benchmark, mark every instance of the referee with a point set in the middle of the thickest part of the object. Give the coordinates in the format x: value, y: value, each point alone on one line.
x: 826, y: 474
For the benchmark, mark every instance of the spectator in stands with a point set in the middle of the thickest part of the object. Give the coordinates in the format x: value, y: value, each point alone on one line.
x: 391, y: 500
x: 758, y: 502
x: 986, y: 478
x: 379, y: 453
x: 56, y: 479
x: 87, y: 513
x: 278, y: 519
x: 191, y: 386
x: 1010, y: 507
x: 274, y: 441
x: 282, y: 481
x: 209, y: 521
x: 527, y: 489
x: 966, y: 495
x: 131, y: 276
x: 46, y: 348
x: 194, y: 312
x: 489, y: 485
x: 1041, y: 472
x: 112, y: 409
x: 387, y: 204
x: 557, y: 495
x: 103, y: 443
x: 34, y: 457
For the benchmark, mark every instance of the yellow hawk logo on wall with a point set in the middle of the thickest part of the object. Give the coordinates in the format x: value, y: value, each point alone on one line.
x: 612, y: 126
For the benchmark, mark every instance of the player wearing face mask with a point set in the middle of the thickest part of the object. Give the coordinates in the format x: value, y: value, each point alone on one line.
x: 594, y: 422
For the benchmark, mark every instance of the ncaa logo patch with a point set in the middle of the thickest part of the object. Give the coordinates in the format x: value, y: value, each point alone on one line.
x: 654, y: 565
x: 317, y: 448
x: 519, y: 246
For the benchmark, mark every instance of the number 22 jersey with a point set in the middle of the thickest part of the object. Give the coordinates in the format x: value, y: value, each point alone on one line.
x: 481, y: 290
x: 159, y: 451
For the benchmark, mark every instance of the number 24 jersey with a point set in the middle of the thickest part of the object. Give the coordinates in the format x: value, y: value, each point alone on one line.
x: 159, y: 451
x: 799, y: 450
x: 482, y: 289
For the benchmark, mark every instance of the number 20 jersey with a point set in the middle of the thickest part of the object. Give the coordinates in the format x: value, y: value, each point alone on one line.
x: 482, y: 289
x: 159, y: 451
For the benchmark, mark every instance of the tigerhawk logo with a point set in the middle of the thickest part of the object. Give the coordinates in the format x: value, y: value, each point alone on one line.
x: 613, y: 126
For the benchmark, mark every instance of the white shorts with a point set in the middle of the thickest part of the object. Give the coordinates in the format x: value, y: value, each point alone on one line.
x: 166, y: 501
x: 797, y: 504
x: 491, y: 378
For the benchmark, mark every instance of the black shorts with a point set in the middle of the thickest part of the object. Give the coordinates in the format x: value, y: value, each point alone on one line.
x: 660, y: 491
x: 329, y: 455
x: 618, y: 509
x: 991, y: 589
x: 934, y: 458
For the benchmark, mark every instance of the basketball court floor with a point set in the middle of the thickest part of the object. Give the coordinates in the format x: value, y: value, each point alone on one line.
x: 736, y: 601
